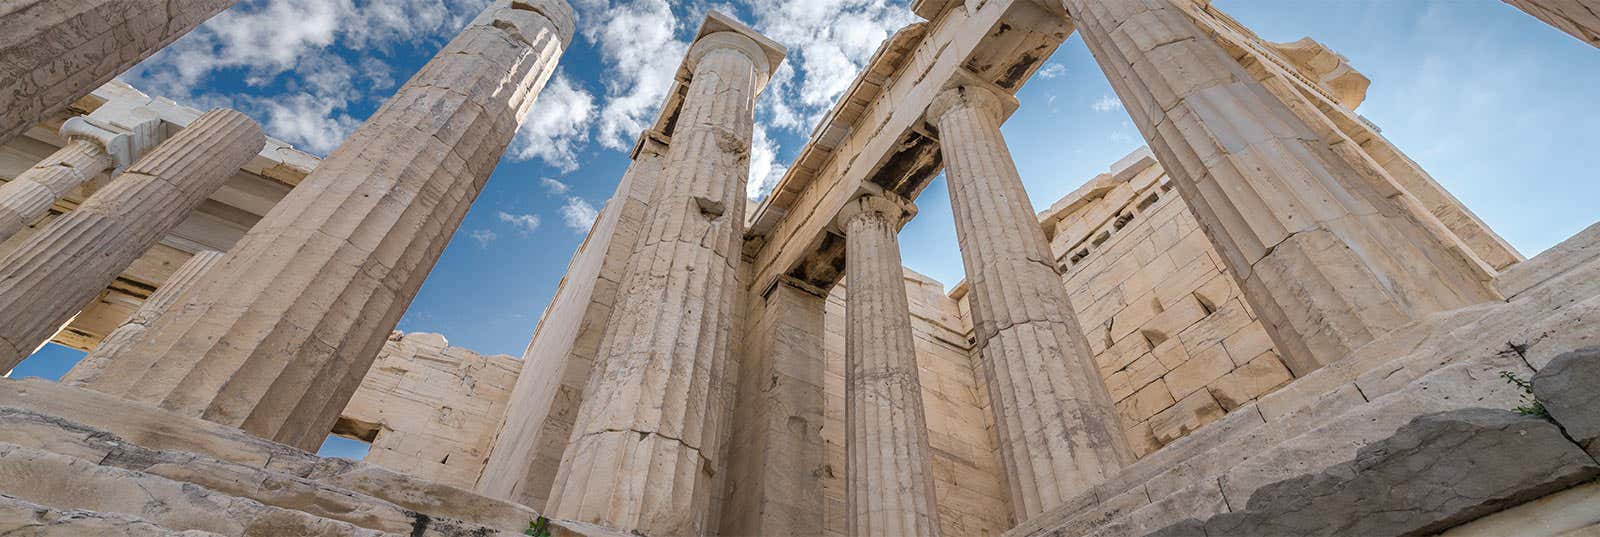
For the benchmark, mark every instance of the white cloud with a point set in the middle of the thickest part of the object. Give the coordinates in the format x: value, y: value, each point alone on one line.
x: 1054, y: 70
x: 639, y: 44
x: 557, y: 127
x: 764, y: 169
x: 1106, y: 103
x: 578, y: 214
x: 296, y: 43
x: 483, y: 236
x: 312, y: 122
x: 554, y: 187
x: 525, y: 223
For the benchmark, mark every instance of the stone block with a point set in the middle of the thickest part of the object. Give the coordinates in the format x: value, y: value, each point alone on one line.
x: 1569, y: 388
x: 1435, y: 472
x: 1249, y: 381
x: 1204, y: 366
x: 1146, y: 402
x: 1188, y: 415
x: 1134, y: 376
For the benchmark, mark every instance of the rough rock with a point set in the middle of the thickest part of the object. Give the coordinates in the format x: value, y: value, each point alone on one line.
x: 1567, y: 388
x: 1436, y: 472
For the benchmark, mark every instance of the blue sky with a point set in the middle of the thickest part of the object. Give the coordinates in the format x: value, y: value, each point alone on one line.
x: 1499, y: 107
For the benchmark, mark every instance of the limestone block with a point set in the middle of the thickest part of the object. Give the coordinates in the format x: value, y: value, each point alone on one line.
x: 66, y: 483
x: 1574, y: 512
x: 1136, y: 375
x: 1204, y: 366
x: 1145, y: 402
x: 1189, y: 414
x: 27, y: 519
x: 54, y: 52
x: 1249, y: 381
x: 1435, y: 472
x: 1566, y: 387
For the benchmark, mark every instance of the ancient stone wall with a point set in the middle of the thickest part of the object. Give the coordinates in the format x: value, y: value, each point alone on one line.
x: 1175, y: 341
x: 970, y: 494
x: 430, y: 410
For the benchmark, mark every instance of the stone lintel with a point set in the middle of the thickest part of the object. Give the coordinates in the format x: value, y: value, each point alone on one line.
x: 897, y: 154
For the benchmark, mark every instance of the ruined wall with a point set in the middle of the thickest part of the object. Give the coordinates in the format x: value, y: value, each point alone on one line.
x: 1176, y: 342
x: 430, y: 410
x: 968, y: 486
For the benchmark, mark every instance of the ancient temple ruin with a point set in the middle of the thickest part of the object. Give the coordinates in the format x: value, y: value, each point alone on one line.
x: 1270, y: 321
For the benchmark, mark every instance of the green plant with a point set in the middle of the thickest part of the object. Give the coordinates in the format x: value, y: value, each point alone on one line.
x: 1532, y: 407
x: 538, y: 527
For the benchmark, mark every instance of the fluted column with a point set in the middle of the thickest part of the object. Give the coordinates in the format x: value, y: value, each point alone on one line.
x: 276, y: 338
x: 58, y: 270
x: 1328, y: 259
x: 54, y: 52
x: 119, y: 340
x: 1058, y: 431
x: 95, y: 150
x: 568, y: 337
x: 646, y: 440
x: 889, y: 468
x: 1578, y: 18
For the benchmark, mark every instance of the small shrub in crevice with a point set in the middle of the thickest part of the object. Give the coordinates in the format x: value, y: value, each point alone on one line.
x: 1531, y: 406
x: 538, y: 527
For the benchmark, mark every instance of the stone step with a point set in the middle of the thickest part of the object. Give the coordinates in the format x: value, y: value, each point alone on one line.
x: 21, y: 518
x: 271, y: 488
x: 70, y: 483
x: 1448, y: 361
x: 81, y: 414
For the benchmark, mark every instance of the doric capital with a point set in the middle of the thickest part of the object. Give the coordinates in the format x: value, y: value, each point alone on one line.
x: 970, y: 96
x: 734, y: 41
x: 874, y: 200
x: 526, y: 16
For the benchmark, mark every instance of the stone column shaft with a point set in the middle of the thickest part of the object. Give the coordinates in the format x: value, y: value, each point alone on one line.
x: 646, y: 439
x: 54, y: 52
x: 889, y: 467
x: 776, y: 453
x: 120, y: 340
x: 567, y: 339
x: 1322, y: 253
x: 276, y: 338
x: 28, y: 198
x: 93, y: 152
x: 49, y: 278
x: 1058, y: 431
x: 1578, y: 18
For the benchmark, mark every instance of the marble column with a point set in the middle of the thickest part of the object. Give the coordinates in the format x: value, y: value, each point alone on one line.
x: 646, y: 441
x: 889, y: 467
x: 1058, y: 431
x: 775, y: 466
x: 96, y: 149
x: 1327, y: 258
x: 1579, y: 18
x: 277, y: 337
x: 49, y: 278
x: 521, y: 466
x: 118, y: 341
x: 54, y: 52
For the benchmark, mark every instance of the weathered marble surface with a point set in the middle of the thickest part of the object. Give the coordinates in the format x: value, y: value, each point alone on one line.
x: 52, y: 275
x: 889, y: 473
x: 1580, y: 18
x: 53, y: 52
x: 277, y: 338
x: 1057, y: 427
x: 648, y: 437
